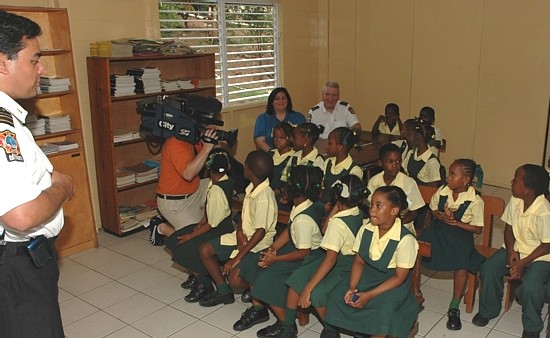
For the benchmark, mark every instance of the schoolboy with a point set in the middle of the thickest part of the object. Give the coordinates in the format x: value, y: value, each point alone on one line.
x: 525, y: 254
x: 389, y: 123
x: 428, y: 114
x: 254, y: 234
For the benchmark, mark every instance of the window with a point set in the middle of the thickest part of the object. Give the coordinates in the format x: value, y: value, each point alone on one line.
x: 242, y: 35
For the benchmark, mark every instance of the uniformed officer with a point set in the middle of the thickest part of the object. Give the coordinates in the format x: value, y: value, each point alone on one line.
x: 331, y: 112
x: 31, y: 215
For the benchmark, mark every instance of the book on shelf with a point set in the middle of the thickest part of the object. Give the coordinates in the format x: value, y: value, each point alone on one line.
x: 132, y: 217
x: 124, y: 178
x: 142, y: 172
x: 54, y: 81
x: 55, y: 147
x: 121, y: 135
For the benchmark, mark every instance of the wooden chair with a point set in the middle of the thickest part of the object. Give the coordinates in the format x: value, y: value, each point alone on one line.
x: 425, y: 249
x: 494, y: 207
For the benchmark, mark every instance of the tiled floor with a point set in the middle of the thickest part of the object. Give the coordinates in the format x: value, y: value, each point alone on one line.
x: 129, y: 288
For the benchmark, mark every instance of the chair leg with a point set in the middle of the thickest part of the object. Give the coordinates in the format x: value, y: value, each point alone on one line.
x: 510, y: 294
x: 303, y: 316
x: 416, y: 283
x: 469, y: 297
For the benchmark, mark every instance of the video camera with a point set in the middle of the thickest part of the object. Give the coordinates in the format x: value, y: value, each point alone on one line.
x: 184, y: 116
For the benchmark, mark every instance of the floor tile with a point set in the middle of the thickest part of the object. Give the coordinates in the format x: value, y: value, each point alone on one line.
x: 510, y: 322
x: 200, y: 329
x: 108, y: 294
x: 128, y: 332
x: 69, y: 269
x: 133, y: 308
x: 96, y: 325
x: 427, y: 320
x: 164, y: 322
x: 144, y: 278
x: 97, y: 257
x: 83, y: 282
x: 197, y: 311
x: 120, y: 268
x: 168, y: 291
x: 75, y: 309
x: 468, y: 330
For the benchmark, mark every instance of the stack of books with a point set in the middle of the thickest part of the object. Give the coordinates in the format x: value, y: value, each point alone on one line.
x: 121, y: 135
x: 170, y: 85
x: 113, y: 48
x: 204, y: 83
x: 54, y: 84
x: 185, y: 84
x: 55, y: 147
x: 37, y: 125
x: 132, y: 217
x: 143, y: 172
x: 147, y: 79
x: 124, y: 178
x: 55, y: 124
x: 122, y: 85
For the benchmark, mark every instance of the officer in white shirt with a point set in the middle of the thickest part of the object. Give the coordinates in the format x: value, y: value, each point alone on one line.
x: 333, y: 113
x: 31, y: 215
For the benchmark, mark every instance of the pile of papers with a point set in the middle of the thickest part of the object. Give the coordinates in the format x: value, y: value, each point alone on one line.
x: 55, y: 147
x: 142, y: 172
x: 132, y: 217
x: 113, y: 48
x: 54, y: 84
x: 55, y: 124
x: 122, y: 85
x: 124, y: 178
x: 139, y: 47
x: 121, y: 135
x: 36, y: 125
x: 147, y: 79
x: 186, y: 84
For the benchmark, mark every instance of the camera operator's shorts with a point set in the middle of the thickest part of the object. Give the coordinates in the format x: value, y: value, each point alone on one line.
x: 182, y: 212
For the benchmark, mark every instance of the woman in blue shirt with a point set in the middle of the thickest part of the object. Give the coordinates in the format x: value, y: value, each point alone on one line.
x: 278, y: 109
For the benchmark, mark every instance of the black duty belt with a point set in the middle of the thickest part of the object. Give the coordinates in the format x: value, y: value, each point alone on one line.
x: 173, y: 197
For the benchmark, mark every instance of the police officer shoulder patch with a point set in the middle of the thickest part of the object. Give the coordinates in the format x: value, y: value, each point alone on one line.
x: 351, y: 110
x: 8, y: 142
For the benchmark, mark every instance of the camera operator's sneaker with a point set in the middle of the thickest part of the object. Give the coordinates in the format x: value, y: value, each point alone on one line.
x: 156, y: 238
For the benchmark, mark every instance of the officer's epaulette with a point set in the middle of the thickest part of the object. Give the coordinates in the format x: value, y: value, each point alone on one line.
x: 343, y: 103
x: 314, y: 108
x: 6, y: 117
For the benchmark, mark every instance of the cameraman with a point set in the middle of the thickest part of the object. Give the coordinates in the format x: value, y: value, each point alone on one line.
x: 179, y: 197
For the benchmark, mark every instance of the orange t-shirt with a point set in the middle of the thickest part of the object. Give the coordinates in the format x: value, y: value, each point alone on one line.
x: 176, y: 154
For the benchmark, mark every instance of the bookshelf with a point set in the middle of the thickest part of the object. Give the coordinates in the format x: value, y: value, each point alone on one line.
x: 110, y: 114
x: 79, y: 232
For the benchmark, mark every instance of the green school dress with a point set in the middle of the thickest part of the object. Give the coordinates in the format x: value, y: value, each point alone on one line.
x: 299, y: 278
x: 187, y: 254
x: 330, y: 178
x: 452, y: 248
x: 269, y: 285
x: 393, y: 312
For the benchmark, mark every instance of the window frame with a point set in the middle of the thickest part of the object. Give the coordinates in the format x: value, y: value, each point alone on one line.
x: 223, y: 64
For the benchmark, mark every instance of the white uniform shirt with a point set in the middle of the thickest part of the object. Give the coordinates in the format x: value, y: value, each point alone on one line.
x: 474, y: 213
x: 259, y: 212
x: 304, y: 231
x: 430, y: 172
x: 338, y: 236
x: 531, y: 227
x: 336, y: 169
x: 342, y: 116
x: 217, y: 205
x: 405, y: 253
x: 409, y: 186
x: 385, y: 129
x: 25, y: 171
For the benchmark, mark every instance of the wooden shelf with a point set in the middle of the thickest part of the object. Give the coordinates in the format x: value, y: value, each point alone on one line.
x: 79, y: 232
x: 112, y: 113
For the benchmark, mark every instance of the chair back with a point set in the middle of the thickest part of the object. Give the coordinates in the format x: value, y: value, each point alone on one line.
x: 494, y: 207
x: 427, y: 192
